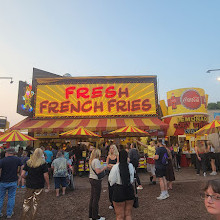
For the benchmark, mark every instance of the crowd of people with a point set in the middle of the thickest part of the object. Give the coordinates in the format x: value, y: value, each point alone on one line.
x: 32, y: 169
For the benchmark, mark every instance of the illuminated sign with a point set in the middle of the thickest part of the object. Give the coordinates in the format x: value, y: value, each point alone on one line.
x: 25, y: 99
x: 97, y: 99
x: 187, y: 100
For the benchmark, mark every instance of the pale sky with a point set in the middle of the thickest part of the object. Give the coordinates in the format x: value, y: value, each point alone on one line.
x: 176, y: 40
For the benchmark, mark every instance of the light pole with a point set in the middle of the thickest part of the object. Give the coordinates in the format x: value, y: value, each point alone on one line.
x: 213, y: 70
x: 7, y: 78
x: 208, y: 71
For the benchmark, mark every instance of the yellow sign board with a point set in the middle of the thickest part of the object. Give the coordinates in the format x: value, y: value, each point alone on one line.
x: 86, y: 100
x: 186, y: 100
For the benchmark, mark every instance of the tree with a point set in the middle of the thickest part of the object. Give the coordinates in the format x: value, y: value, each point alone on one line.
x: 213, y: 106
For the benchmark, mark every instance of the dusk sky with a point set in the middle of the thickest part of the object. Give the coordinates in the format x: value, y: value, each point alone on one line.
x: 176, y: 40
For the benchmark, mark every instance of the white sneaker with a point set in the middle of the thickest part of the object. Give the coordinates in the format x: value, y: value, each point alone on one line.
x: 101, y: 218
x: 140, y: 187
x: 161, y: 197
x: 213, y: 173
x: 111, y: 207
x: 167, y: 195
x: 204, y: 174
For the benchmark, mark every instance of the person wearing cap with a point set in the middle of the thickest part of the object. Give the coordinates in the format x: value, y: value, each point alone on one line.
x: 8, y: 182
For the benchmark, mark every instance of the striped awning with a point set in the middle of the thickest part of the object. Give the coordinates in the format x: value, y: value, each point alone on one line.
x: 103, y: 124
x: 15, y: 136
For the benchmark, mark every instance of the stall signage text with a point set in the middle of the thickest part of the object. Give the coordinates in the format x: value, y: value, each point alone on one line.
x: 191, y: 99
x: 185, y: 122
x: 95, y: 100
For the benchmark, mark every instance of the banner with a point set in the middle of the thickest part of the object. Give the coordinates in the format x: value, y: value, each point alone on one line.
x: 25, y: 99
x: 186, y: 100
x: 100, y: 99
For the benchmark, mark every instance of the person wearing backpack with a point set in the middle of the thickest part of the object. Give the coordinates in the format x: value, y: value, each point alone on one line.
x: 161, y: 161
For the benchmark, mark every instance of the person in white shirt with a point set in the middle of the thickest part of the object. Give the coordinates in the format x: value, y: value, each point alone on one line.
x: 121, y: 178
x: 95, y: 168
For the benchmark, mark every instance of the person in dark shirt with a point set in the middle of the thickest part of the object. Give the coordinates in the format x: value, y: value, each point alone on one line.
x: 8, y: 181
x: 160, y: 166
x: 134, y: 159
x: 37, y: 175
x: 24, y: 159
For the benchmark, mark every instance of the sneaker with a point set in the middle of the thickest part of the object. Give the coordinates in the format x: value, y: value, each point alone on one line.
x: 23, y: 187
x: 197, y: 174
x: 204, y: 174
x: 140, y: 187
x: 161, y: 197
x: 111, y: 207
x: 18, y: 187
x: 101, y: 218
x: 10, y: 216
x: 213, y: 173
x: 167, y: 195
x: 1, y: 215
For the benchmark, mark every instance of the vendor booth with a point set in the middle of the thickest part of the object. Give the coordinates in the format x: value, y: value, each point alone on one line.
x: 55, y: 104
x: 186, y: 113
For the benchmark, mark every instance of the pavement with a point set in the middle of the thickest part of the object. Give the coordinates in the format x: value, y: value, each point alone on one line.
x: 186, y: 174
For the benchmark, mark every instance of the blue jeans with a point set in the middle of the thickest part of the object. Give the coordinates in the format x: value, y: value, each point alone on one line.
x: 11, y: 187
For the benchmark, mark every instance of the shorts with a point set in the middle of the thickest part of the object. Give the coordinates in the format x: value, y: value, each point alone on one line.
x: 151, y: 168
x: 160, y: 172
x: 212, y: 156
x: 122, y: 193
x: 60, y: 181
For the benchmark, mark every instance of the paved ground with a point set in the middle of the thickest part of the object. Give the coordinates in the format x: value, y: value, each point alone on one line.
x: 184, y: 201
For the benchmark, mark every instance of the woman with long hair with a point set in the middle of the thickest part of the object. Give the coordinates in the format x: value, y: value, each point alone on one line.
x: 211, y: 197
x: 170, y: 176
x: 111, y: 160
x: 122, y: 177
x: 95, y: 168
x: 37, y: 174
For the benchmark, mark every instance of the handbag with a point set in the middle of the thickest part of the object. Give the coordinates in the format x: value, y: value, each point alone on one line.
x: 99, y: 175
x: 150, y: 160
x: 136, y: 202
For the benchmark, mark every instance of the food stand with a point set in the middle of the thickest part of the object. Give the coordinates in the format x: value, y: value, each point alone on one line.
x: 100, y: 104
x: 186, y: 113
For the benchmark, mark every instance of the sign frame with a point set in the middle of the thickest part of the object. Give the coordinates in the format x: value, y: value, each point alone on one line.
x: 98, y: 80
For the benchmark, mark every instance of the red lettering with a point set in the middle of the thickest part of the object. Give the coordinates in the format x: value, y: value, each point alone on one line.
x: 111, y: 103
x: 69, y: 91
x: 73, y: 108
x: 100, y: 106
x: 120, y: 105
x: 52, y: 107
x: 146, y: 105
x: 81, y: 92
x: 89, y: 102
x: 64, y: 106
x: 110, y: 92
x: 96, y: 92
x: 43, y: 105
x: 135, y: 105
x: 120, y: 92
x: 129, y: 106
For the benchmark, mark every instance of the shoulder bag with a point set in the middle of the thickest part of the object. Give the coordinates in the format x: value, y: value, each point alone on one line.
x: 136, y: 202
x: 99, y: 175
